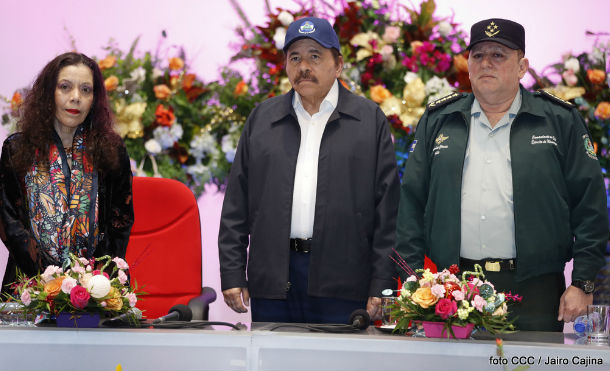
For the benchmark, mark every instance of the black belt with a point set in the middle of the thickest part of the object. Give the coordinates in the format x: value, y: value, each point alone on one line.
x: 491, y: 265
x: 300, y: 245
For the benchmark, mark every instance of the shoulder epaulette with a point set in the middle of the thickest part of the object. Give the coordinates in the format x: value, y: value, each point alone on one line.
x: 444, y: 101
x: 554, y: 98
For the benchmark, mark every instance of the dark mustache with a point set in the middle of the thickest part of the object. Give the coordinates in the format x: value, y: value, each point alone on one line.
x: 306, y: 76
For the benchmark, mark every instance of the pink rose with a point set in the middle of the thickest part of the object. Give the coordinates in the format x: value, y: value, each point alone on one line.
x: 120, y: 263
x: 438, y: 290
x: 445, y: 308
x: 68, y: 284
x: 569, y: 77
x: 390, y: 34
x: 479, y: 303
x: 26, y: 299
x: 79, y: 297
x: 133, y: 299
x: 122, y: 277
x: 458, y: 295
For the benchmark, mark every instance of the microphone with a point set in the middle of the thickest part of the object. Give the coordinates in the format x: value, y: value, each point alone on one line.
x: 132, y: 316
x: 178, y: 312
x: 360, y: 319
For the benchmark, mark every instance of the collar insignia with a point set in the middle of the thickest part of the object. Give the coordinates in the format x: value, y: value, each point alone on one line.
x: 440, y: 139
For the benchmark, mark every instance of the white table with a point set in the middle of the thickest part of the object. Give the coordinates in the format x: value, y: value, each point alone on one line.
x: 51, y: 349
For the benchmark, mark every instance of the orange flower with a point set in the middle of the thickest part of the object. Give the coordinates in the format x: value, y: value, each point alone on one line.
x: 423, y: 297
x: 602, y: 111
x: 107, y: 62
x: 165, y: 116
x: 187, y: 81
x: 53, y: 287
x: 162, y: 91
x: 111, y: 83
x: 379, y: 93
x: 415, y: 45
x: 596, y: 76
x: 461, y: 63
x: 16, y: 101
x: 240, y: 89
x: 344, y: 84
x: 176, y: 63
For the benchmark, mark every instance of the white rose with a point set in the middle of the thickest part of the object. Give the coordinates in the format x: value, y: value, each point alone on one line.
x: 410, y: 76
x: 98, y: 286
x: 444, y: 28
x: 572, y: 64
x: 279, y: 37
x: 152, y: 146
x: 285, y: 17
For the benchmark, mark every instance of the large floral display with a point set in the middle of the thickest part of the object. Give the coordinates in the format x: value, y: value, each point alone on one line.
x: 177, y: 126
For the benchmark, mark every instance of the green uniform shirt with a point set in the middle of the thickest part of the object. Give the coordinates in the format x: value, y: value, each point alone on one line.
x: 559, y: 196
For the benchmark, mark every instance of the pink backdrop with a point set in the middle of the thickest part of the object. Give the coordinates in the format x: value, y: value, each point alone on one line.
x: 33, y: 32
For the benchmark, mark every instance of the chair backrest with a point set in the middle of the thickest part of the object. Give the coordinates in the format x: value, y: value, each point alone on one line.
x: 164, y: 251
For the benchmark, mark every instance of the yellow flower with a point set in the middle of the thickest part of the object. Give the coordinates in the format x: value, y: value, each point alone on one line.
x: 379, y: 93
x: 603, y: 110
x: 128, y: 118
x: 410, y: 116
x: 285, y: 85
x: 363, y: 40
x: 111, y: 83
x: 391, y: 106
x: 461, y: 63
x: 107, y: 62
x: 423, y: 297
x: 176, y: 63
x: 116, y: 301
x: 501, y: 310
x: 414, y: 93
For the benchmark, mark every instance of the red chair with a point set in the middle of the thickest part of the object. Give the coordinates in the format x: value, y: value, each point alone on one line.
x: 164, y: 250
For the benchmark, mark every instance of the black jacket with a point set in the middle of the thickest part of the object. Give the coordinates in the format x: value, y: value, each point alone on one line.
x: 559, y: 197
x: 356, y: 202
x: 115, y: 214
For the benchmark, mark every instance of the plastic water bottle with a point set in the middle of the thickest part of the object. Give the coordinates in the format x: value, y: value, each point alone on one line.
x: 580, y: 325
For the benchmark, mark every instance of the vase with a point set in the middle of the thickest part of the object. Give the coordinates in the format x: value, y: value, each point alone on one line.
x: 78, y: 320
x: 438, y: 330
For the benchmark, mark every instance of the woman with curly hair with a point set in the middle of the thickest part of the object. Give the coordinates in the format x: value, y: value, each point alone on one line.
x: 65, y: 176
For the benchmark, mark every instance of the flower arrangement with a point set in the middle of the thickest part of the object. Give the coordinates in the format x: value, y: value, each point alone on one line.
x: 400, y: 58
x: 445, y: 297
x: 83, y: 286
x: 584, y: 79
x: 173, y: 124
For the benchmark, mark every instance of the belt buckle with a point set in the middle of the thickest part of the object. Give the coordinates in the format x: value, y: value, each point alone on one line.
x: 492, y: 266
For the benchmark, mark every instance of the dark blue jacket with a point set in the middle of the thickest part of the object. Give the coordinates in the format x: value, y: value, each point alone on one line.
x: 356, y: 202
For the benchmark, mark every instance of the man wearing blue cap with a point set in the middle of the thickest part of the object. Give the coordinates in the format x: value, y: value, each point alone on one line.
x: 509, y: 180
x: 314, y: 193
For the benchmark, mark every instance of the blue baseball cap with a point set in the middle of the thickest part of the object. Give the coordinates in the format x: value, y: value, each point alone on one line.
x: 317, y: 29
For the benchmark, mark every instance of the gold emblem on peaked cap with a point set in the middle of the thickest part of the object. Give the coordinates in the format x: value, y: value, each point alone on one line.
x: 492, y: 29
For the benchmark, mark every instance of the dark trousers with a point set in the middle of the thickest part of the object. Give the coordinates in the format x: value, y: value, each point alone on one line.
x: 539, y: 307
x: 299, y: 307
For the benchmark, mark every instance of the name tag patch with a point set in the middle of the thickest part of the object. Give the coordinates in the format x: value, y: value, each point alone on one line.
x: 544, y: 139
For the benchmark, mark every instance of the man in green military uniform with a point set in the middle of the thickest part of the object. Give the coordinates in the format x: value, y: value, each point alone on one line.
x: 509, y: 180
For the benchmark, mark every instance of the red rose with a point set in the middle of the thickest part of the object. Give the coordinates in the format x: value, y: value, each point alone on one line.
x: 445, y: 308
x: 454, y: 269
x: 79, y: 297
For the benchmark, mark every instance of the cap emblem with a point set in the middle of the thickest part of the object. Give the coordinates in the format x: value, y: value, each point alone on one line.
x: 492, y: 29
x: 307, y: 27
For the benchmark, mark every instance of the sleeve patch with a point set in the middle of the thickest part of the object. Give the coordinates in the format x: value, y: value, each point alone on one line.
x: 589, y: 149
